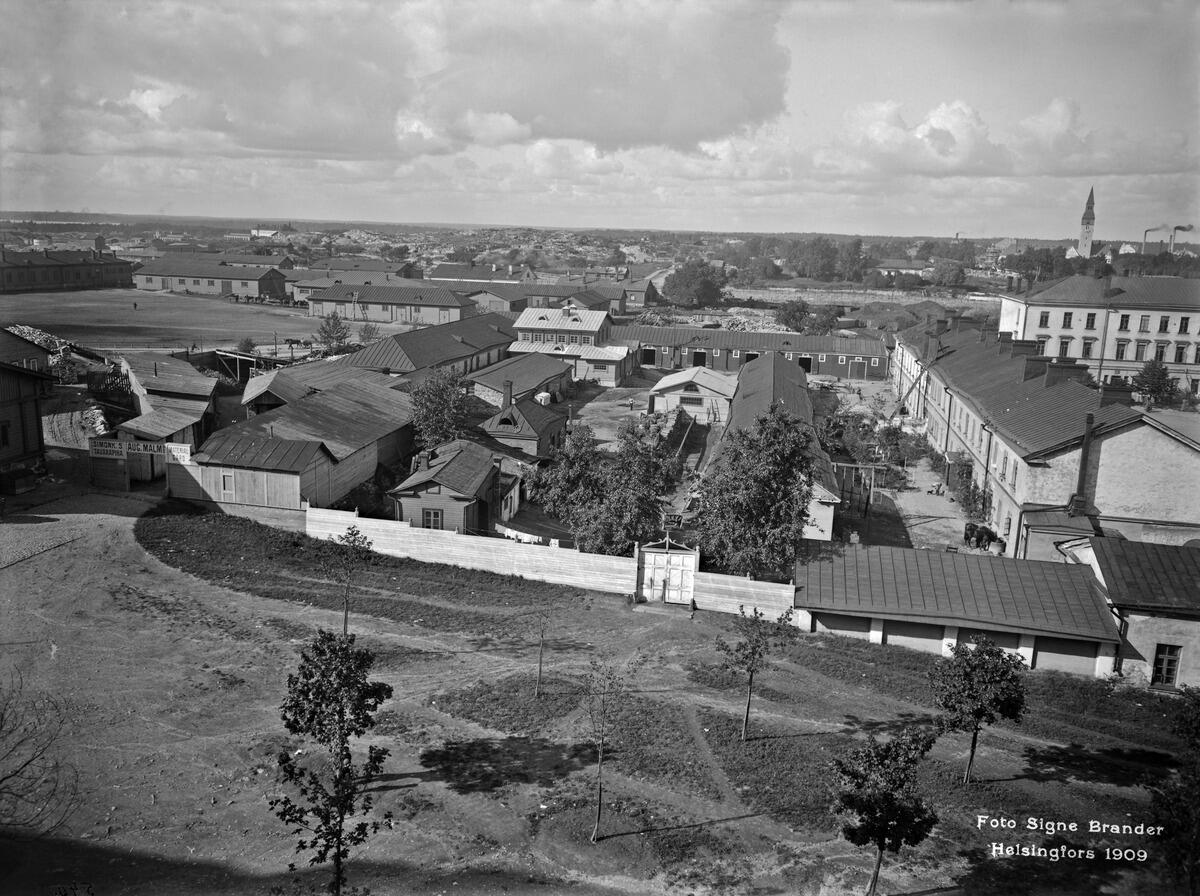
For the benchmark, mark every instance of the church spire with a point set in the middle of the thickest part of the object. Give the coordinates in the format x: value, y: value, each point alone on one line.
x: 1089, y: 211
x: 1087, y: 225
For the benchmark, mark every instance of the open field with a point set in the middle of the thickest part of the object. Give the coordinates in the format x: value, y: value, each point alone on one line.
x: 105, y: 318
x: 173, y: 637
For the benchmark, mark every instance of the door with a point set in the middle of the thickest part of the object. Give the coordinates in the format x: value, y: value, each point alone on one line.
x: 806, y: 363
x: 668, y: 576
x: 750, y: 356
x: 226, y: 287
x: 699, y: 359
x: 648, y: 356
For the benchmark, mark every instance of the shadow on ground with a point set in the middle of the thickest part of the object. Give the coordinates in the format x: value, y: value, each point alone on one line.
x: 1118, y: 767
x: 853, y: 724
x: 486, y: 764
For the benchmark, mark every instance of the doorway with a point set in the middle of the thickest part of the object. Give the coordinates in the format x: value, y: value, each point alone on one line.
x: 699, y: 359
x: 806, y: 363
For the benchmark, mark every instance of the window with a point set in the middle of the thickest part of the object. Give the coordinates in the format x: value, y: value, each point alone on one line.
x: 1014, y: 473
x: 227, y: 483
x: 431, y: 519
x: 1196, y: 357
x: 716, y: 353
x: 212, y: 283
x: 821, y: 359
x: 1144, y: 324
x: 1004, y: 468
x: 1139, y: 354
x: 574, y: 339
x: 182, y: 282
x: 737, y: 353
x: 1123, y: 325
x: 598, y: 366
x: 1064, y: 348
x: 874, y: 362
x: 245, y: 283
x: 691, y: 401
x: 1044, y: 319
x: 1160, y: 351
x: 587, y: 340
x: 1067, y: 318
x: 1183, y: 324
x: 1180, y: 353
x: 1041, y: 344
x: 1166, y: 665
x: 1164, y: 324
x: 1088, y: 345
x: 1089, y: 322
x: 841, y: 359
x: 788, y: 356
x: 195, y: 283
x: 1122, y: 347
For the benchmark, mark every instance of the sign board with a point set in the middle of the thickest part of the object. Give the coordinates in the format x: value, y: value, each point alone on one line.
x: 174, y: 452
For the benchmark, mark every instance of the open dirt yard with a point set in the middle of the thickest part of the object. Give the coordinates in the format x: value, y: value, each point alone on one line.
x: 174, y: 662
x: 106, y: 318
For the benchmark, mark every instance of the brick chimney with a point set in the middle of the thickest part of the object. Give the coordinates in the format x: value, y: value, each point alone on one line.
x: 1064, y: 371
x: 507, y: 396
x: 1116, y: 393
x: 1034, y: 367
x: 1079, y: 502
x: 1024, y: 348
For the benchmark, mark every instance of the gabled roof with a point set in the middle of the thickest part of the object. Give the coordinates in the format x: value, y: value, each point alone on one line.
x: 461, y: 466
x: 1120, y: 292
x: 610, y: 291
x: 475, y: 272
x: 701, y: 376
x: 523, y: 419
x: 159, y: 372
x: 525, y: 372
x: 1145, y: 576
x: 434, y: 346
x: 357, y: 264
x: 182, y: 265
x: 228, y: 448
x: 553, y: 290
x: 602, y: 353
x: 561, y: 319
x: 1026, y: 596
x: 344, y: 419
x: 425, y: 295
x: 297, y: 381
x: 266, y: 261
x: 510, y: 292
x: 312, y: 280
x: 160, y: 423
x: 746, y: 340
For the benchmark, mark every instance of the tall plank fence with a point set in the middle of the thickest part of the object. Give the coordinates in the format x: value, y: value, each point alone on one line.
x: 560, y: 566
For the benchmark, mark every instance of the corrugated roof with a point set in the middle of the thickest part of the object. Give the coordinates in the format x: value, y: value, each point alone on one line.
x: 747, y: 340
x: 357, y: 264
x: 434, y: 346
x: 162, y: 373
x: 722, y: 384
x: 425, y: 295
x: 344, y: 418
x: 526, y: 372
x: 257, y: 452
x: 291, y: 383
x: 1120, y: 292
x: 611, y: 353
x: 1149, y: 576
x: 1025, y: 596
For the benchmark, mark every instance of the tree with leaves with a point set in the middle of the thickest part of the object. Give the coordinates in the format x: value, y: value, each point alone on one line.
x: 39, y: 790
x: 368, y: 333
x: 334, y: 331
x: 247, y: 346
x: 793, y: 315
x: 748, y: 655
x: 876, y: 797
x: 755, y: 497
x: 1155, y: 384
x: 606, y: 691
x: 977, y: 685
x: 352, y: 552
x: 330, y: 700
x: 823, y: 320
x: 439, y: 408
x: 948, y: 272
x: 696, y: 283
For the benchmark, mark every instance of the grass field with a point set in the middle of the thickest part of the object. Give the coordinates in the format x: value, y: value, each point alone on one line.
x: 106, y: 318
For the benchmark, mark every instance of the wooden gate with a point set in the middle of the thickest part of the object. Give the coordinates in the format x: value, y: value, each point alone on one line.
x: 667, y: 572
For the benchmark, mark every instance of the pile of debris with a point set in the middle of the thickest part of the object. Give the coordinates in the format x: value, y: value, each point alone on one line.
x: 40, y: 337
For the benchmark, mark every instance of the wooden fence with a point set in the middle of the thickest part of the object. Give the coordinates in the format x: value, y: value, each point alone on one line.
x: 561, y: 566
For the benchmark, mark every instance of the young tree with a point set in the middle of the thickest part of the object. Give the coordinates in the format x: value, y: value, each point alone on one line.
x: 353, y: 552
x: 1155, y: 384
x: 979, y: 684
x: 540, y: 621
x: 573, y: 478
x: 605, y: 693
x: 334, y: 331
x: 793, y: 315
x: 331, y: 701
x: 247, y: 346
x: 439, y: 408
x: 368, y: 333
x: 749, y: 654
x: 876, y: 798
x: 38, y: 789
x: 755, y: 498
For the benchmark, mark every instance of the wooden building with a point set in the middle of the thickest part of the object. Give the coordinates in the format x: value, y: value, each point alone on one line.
x: 314, y: 450
x: 22, y: 448
x: 581, y: 338
x: 703, y: 394
x: 528, y: 375
x: 464, y: 346
x: 526, y: 424
x: 458, y: 487
x: 208, y: 276
x: 425, y: 304
x: 672, y: 348
x: 1052, y: 614
x: 19, y: 351
x: 49, y: 269
x: 275, y: 388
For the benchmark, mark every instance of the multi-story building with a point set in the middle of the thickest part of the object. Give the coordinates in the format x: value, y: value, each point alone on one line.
x: 1113, y: 324
x: 1053, y: 457
x: 65, y: 269
x: 581, y: 338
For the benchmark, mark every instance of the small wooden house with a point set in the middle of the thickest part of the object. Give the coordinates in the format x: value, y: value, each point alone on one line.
x: 458, y: 487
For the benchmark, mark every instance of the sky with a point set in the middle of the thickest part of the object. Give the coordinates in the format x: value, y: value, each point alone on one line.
x: 981, y: 118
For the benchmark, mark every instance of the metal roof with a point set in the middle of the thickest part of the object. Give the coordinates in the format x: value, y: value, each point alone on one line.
x: 528, y: 420
x: 182, y: 265
x: 1119, y: 292
x: 722, y: 384
x: 257, y: 452
x: 291, y: 383
x: 747, y: 340
x: 1145, y: 576
x: 610, y: 353
x: 160, y: 423
x: 460, y: 466
x: 561, y: 319
x: 162, y: 373
x: 434, y: 346
x: 1027, y: 596
x: 427, y: 294
x: 525, y: 372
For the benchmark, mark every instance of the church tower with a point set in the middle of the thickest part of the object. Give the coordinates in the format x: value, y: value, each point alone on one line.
x: 1088, y: 224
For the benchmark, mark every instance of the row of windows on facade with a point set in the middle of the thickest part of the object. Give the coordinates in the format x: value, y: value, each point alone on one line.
x: 1089, y: 322
x: 44, y: 275
x: 1121, y: 352
x: 183, y: 281
x: 973, y: 432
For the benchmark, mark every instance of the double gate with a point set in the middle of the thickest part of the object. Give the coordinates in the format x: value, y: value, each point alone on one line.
x: 667, y: 572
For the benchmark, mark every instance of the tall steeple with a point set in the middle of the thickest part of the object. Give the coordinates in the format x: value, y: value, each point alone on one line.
x: 1087, y: 225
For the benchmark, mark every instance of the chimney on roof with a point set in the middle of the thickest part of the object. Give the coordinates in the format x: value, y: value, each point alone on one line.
x: 1064, y: 371
x: 1079, y: 502
x: 1004, y: 342
x: 423, y: 460
x: 1024, y: 348
x: 507, y: 396
x: 1116, y: 392
x: 1009, y: 287
x: 940, y: 326
x: 510, y: 270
